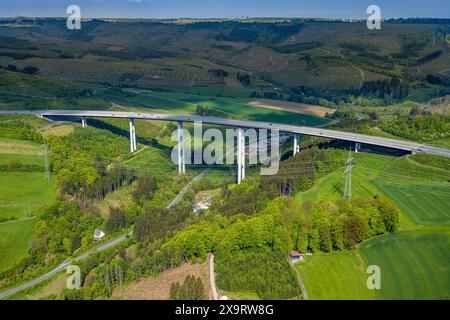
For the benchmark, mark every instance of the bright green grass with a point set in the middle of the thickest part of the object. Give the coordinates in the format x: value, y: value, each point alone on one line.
x: 153, y: 161
x: 22, y: 193
x: 215, y: 91
x: 22, y: 158
x: 426, y: 204
x: 331, y: 187
x: 414, y: 264
x: 407, y: 169
x: 15, y: 240
x: 339, y: 275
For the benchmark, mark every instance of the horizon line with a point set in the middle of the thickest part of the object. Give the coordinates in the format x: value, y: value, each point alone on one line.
x: 226, y: 18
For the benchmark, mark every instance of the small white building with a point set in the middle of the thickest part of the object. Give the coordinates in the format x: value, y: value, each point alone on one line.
x: 201, y: 206
x: 98, y: 234
x: 296, y: 256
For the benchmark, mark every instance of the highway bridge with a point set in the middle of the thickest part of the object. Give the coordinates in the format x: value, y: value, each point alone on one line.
x: 407, y: 146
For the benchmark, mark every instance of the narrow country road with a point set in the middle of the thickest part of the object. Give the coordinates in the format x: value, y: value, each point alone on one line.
x: 212, y: 277
x: 100, y: 247
x: 305, y: 294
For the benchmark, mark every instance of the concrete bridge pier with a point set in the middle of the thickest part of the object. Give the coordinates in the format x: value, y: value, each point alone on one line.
x: 83, y: 122
x: 181, y: 155
x: 357, y: 147
x: 133, y: 145
x: 296, y: 143
x: 240, y: 155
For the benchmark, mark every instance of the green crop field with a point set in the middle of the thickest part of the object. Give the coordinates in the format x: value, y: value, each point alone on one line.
x: 426, y: 204
x: 406, y: 168
x: 366, y: 167
x: 15, y: 240
x: 340, y: 275
x: 22, y: 193
x: 413, y: 264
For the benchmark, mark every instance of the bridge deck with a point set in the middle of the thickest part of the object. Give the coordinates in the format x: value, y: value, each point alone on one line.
x: 311, y: 131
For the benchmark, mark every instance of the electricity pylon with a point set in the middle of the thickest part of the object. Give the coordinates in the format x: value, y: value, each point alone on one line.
x: 47, y: 168
x: 348, y: 177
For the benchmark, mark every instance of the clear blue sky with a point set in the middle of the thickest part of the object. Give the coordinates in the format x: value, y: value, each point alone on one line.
x: 226, y: 8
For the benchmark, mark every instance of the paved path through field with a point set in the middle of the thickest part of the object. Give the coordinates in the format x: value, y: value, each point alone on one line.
x: 302, y: 285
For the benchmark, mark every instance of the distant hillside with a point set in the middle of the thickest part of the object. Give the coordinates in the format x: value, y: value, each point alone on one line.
x: 407, y: 58
x: 23, y: 91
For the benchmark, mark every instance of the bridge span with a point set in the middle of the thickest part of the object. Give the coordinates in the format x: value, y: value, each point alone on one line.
x: 407, y: 146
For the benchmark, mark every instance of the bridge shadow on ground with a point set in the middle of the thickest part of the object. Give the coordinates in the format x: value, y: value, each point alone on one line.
x: 100, y: 124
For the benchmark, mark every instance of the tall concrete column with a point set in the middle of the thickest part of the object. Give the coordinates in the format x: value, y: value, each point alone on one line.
x: 296, y: 143
x: 181, y: 160
x: 243, y: 155
x: 83, y: 122
x: 133, y: 146
x: 357, y: 147
x: 134, y: 137
x: 240, y: 155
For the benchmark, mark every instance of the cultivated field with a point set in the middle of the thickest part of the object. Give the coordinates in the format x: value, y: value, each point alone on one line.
x: 15, y: 238
x: 292, y: 107
x: 22, y: 193
x: 414, y: 261
x: 426, y: 204
x: 414, y: 264
x: 340, y: 275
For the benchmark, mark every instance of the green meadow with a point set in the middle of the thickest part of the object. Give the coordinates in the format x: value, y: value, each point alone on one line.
x: 426, y: 204
x: 414, y: 261
x: 22, y: 193
x: 413, y: 265
x: 338, y: 275
x: 15, y: 238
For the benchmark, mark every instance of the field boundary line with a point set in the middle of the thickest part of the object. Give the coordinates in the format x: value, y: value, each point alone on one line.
x: 17, y: 220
